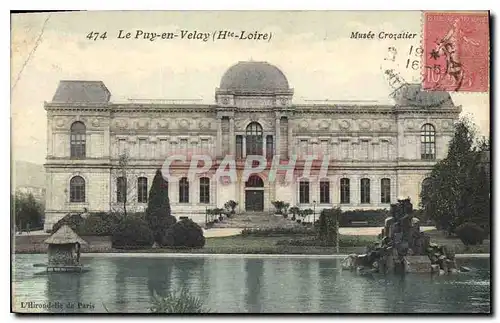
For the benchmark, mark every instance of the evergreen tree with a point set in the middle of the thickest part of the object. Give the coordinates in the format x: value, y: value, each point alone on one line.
x: 456, y: 192
x: 158, y: 210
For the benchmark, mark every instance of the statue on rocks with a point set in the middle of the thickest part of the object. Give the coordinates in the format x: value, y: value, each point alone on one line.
x: 403, y: 248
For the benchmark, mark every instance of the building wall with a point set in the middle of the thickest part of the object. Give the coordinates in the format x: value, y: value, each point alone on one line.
x: 374, y: 143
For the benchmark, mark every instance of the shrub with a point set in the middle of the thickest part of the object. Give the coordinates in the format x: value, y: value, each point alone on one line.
x: 344, y: 241
x: 158, y: 214
x: 185, y: 233
x: 72, y: 220
x: 470, y: 234
x: 176, y: 303
x: 279, y: 206
x: 131, y: 233
x: 98, y: 224
x: 231, y: 206
x: 328, y: 228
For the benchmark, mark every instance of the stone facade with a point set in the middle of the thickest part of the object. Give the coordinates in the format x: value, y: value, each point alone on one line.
x: 374, y: 142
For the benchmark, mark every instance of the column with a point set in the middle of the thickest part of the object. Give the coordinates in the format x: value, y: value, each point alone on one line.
x: 290, y: 140
x: 232, y: 138
x: 218, y: 148
x: 278, y: 131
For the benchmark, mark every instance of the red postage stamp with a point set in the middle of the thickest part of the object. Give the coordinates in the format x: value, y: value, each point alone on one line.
x: 456, y: 51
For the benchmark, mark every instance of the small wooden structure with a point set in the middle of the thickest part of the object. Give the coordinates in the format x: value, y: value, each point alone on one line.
x: 64, y: 250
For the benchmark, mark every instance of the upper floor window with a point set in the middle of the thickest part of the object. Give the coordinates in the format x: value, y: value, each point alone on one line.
x: 184, y: 190
x: 269, y: 147
x: 142, y: 190
x: 77, y: 189
x: 254, y: 139
x: 345, y: 191
x: 239, y: 147
x: 77, y: 140
x: 428, y: 142
x: 364, y: 148
x: 365, y: 190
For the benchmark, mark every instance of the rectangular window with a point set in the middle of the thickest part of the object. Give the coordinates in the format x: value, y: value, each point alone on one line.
x: 365, y: 191
x: 344, y: 147
x: 142, y: 190
x: 269, y: 147
x: 239, y: 147
x: 384, y: 149
x: 304, y: 192
x: 345, y: 191
x: 324, y: 148
x: 204, y: 190
x: 142, y: 148
x: 303, y: 148
x: 364, y: 149
x: 385, y: 190
x: 204, y: 146
x: 122, y: 146
x: 324, y: 192
x: 163, y: 148
x: 183, y: 146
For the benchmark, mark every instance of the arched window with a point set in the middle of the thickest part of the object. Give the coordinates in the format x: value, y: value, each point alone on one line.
x: 254, y: 139
x: 345, y: 191
x: 324, y: 192
x: 254, y: 181
x: 204, y: 190
x: 77, y: 189
x: 304, y: 191
x: 385, y: 190
x: 365, y: 190
x: 428, y: 142
x: 121, y: 190
x: 184, y: 190
x: 77, y: 140
x: 142, y: 190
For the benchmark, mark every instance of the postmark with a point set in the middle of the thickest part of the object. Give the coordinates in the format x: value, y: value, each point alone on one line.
x: 456, y: 51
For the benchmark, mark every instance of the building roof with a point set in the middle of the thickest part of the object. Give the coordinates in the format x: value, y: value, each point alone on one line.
x: 81, y: 91
x: 412, y: 95
x: 64, y: 236
x: 254, y: 76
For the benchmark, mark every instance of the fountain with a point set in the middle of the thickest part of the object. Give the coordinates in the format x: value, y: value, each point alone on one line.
x: 403, y: 248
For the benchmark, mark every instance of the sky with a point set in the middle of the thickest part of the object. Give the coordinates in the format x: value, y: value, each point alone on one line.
x: 312, y: 48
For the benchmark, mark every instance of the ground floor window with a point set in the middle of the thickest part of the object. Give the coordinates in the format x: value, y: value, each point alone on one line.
x: 184, y: 190
x: 204, y: 190
x: 324, y: 192
x: 142, y: 190
x: 365, y: 190
x: 304, y: 192
x: 385, y: 190
x: 345, y: 191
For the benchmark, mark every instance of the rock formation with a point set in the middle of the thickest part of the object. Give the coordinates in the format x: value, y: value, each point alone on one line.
x: 403, y: 248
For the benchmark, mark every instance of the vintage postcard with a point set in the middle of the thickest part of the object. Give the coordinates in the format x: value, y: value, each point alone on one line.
x: 251, y: 162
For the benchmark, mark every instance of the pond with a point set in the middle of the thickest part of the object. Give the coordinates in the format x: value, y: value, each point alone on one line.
x: 239, y: 284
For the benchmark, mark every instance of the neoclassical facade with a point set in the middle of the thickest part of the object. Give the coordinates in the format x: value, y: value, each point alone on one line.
x: 375, y: 153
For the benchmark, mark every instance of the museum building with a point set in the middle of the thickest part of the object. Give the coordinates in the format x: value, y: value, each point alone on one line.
x: 376, y: 153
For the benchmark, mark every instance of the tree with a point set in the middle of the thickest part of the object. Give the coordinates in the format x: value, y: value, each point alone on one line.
x: 158, y: 211
x: 125, y: 184
x: 456, y: 192
x: 28, y: 212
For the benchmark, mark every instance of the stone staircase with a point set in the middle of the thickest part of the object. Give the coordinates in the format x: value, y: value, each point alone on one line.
x: 260, y: 220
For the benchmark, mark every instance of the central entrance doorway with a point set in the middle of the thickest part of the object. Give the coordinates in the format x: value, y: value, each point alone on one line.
x: 254, y: 194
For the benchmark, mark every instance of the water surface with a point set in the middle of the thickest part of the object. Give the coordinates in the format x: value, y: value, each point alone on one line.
x: 246, y: 284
